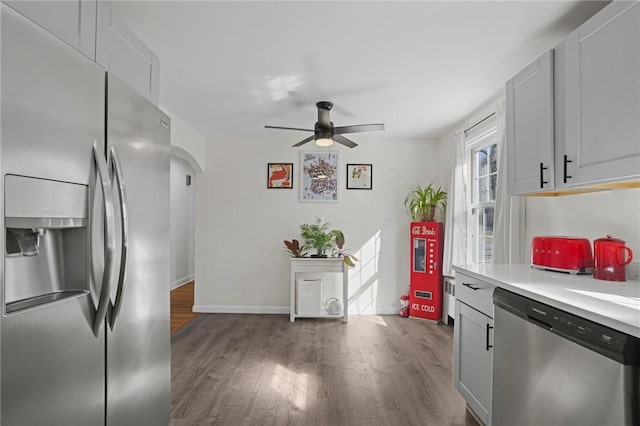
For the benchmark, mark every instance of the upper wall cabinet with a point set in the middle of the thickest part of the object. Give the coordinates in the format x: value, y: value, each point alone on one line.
x: 573, y: 115
x: 530, y: 128
x: 598, y: 92
x: 91, y: 27
x: 73, y: 21
x: 120, y: 51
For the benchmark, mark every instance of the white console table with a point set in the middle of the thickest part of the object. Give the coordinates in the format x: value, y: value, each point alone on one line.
x: 319, y: 265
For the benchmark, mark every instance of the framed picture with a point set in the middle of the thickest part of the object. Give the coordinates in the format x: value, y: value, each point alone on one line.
x: 280, y: 175
x: 359, y: 176
x: 319, y: 179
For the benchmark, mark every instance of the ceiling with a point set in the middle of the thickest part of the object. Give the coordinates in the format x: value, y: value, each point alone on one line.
x: 229, y: 68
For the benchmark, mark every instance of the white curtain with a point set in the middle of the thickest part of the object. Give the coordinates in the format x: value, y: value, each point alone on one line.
x: 455, y: 233
x: 509, y: 214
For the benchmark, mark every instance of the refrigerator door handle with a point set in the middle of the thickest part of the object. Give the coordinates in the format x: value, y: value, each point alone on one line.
x: 109, y: 238
x: 114, y: 164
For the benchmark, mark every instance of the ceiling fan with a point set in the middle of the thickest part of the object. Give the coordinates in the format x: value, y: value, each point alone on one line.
x: 325, y: 133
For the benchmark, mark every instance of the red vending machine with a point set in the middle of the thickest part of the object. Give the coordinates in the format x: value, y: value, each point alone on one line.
x: 425, y: 298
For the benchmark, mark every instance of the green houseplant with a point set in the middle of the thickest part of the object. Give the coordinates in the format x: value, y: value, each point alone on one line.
x: 422, y: 203
x: 319, y: 237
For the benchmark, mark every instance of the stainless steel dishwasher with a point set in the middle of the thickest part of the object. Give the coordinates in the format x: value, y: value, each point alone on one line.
x: 554, y: 368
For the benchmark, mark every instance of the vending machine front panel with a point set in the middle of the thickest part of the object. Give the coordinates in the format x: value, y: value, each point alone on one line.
x: 425, y: 297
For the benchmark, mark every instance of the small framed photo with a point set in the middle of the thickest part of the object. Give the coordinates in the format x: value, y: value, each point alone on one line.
x: 359, y: 176
x: 280, y: 175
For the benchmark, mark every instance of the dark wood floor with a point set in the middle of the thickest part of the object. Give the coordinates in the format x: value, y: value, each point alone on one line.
x: 233, y: 369
x: 182, y: 306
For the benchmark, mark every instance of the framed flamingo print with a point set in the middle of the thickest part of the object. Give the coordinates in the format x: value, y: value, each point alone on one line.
x: 279, y: 175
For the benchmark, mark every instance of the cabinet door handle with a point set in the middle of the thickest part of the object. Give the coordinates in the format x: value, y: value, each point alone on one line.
x: 542, y: 181
x: 565, y: 175
x: 488, y: 345
x: 471, y: 286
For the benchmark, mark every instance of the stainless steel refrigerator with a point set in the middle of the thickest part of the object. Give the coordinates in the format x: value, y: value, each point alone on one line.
x: 84, y: 162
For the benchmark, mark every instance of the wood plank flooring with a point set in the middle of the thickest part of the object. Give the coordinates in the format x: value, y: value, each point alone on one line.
x: 181, y: 306
x: 234, y: 369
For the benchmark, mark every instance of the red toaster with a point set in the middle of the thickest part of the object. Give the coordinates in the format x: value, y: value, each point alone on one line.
x: 563, y: 254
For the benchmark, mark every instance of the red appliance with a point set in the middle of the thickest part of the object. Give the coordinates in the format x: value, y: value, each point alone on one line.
x: 563, y: 254
x: 425, y: 296
x: 610, y: 260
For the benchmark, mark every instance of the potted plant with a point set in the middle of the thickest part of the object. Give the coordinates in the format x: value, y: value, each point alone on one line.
x: 318, y: 236
x: 422, y: 203
x: 338, y: 242
x: 294, y: 248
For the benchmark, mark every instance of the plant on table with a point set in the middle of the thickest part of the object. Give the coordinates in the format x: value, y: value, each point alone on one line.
x: 422, y: 203
x: 318, y: 236
x: 294, y: 248
x: 337, y: 242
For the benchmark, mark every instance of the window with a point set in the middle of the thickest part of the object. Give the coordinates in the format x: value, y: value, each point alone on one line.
x: 482, y: 158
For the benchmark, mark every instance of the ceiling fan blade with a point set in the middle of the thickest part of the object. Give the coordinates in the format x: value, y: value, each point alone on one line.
x: 288, y: 128
x: 302, y: 142
x: 344, y: 141
x: 343, y: 111
x: 358, y: 128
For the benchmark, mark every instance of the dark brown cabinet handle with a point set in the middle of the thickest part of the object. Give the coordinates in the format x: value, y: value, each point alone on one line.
x: 565, y: 175
x: 542, y: 181
x: 489, y: 328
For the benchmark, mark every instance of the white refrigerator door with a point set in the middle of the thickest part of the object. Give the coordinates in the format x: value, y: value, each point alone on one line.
x: 52, y: 365
x: 138, y: 339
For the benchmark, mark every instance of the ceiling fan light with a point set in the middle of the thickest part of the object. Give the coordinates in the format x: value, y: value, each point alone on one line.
x: 324, y: 141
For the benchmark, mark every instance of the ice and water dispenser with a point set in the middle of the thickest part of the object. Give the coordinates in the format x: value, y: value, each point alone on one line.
x: 46, y: 241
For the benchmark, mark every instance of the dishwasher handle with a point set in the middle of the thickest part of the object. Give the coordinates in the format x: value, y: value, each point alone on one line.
x: 539, y: 322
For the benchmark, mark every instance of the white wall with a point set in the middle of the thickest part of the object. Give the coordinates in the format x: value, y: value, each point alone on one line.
x: 445, y: 151
x: 187, y: 156
x: 182, y: 223
x: 186, y: 142
x: 590, y: 216
x: 241, y: 265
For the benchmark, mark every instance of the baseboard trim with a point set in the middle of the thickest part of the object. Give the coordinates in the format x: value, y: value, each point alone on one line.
x: 182, y: 281
x: 387, y: 310
x: 240, y: 309
x: 277, y: 310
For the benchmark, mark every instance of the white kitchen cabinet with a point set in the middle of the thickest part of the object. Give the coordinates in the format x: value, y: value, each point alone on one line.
x: 73, y: 21
x: 91, y: 27
x: 573, y: 115
x: 473, y: 344
x: 475, y: 358
x: 529, y: 96
x: 598, y: 88
x: 121, y: 52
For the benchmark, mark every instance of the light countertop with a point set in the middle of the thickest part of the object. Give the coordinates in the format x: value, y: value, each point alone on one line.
x: 612, y: 304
